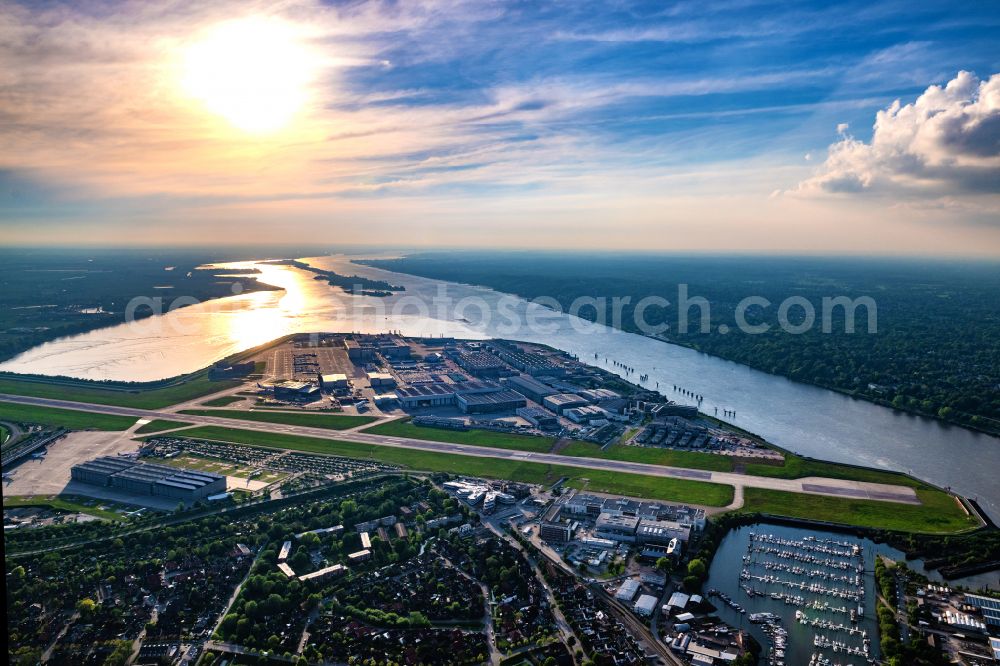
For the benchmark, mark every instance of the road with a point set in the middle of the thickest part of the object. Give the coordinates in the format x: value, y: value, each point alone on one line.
x: 808, y: 485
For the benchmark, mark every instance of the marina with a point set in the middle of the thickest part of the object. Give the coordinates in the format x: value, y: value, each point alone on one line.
x: 806, y: 596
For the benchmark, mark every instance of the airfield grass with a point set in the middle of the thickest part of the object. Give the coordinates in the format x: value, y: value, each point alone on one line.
x: 65, y: 418
x: 139, y: 398
x: 224, y: 401
x: 497, y: 440
x: 328, y: 421
x: 676, y: 490
x: 3, y: 433
x: 158, y: 425
x: 651, y: 456
x: 67, y: 503
x: 938, y: 512
x: 797, y: 467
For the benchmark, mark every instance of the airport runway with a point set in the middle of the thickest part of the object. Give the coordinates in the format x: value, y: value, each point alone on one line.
x: 810, y: 485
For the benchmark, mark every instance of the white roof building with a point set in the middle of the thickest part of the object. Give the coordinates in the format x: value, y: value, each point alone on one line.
x: 645, y: 605
x: 626, y: 591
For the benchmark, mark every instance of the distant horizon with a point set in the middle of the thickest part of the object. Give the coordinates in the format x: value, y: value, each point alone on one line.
x: 294, y: 251
x: 757, y: 127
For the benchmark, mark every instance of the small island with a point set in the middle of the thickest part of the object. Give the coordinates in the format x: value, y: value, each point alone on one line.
x: 354, y: 284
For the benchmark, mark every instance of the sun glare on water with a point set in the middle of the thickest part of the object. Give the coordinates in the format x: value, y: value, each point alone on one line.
x: 253, y: 72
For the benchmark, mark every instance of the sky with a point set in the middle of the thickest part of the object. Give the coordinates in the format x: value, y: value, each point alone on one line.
x: 787, y: 127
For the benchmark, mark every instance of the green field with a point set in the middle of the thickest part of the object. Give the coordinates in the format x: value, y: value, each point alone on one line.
x: 4, y: 433
x: 676, y: 490
x: 158, y: 425
x: 328, y: 421
x: 498, y: 440
x: 939, y: 513
x: 652, y: 456
x: 68, y: 503
x: 224, y: 401
x: 796, y: 467
x: 154, y: 398
x: 66, y: 418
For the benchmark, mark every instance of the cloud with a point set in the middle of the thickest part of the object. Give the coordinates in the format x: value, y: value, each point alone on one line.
x: 945, y: 142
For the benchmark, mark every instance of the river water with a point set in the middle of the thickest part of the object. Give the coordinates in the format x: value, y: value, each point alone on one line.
x: 802, y: 418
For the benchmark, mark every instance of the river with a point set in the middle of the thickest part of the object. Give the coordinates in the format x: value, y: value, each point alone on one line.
x: 802, y: 418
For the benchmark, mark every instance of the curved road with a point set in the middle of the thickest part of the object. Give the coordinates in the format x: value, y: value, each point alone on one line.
x: 809, y: 485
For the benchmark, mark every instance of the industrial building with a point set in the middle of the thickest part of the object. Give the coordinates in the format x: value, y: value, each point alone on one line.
x: 559, y: 402
x: 530, y: 387
x: 292, y: 390
x: 539, y: 418
x: 131, y: 476
x: 556, y: 532
x: 618, y: 528
x: 426, y: 395
x: 586, y: 414
x: 529, y: 363
x: 334, y: 382
x: 645, y: 605
x: 661, y: 532
x: 381, y: 380
x: 481, y: 364
x: 598, y: 394
x: 366, y: 348
x: 501, y: 400
x: 988, y: 606
x: 627, y: 590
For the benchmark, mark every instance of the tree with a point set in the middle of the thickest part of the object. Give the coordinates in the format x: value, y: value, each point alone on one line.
x: 86, y: 607
x: 696, y: 567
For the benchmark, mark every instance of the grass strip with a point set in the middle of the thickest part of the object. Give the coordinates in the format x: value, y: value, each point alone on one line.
x: 938, y: 513
x: 65, y: 418
x: 328, y: 421
x: 638, y: 485
x: 475, y: 437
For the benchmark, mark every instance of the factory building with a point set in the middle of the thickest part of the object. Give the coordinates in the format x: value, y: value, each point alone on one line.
x: 645, y: 605
x: 585, y: 414
x: 366, y: 348
x: 381, y: 380
x: 359, y: 353
x: 627, y: 590
x: 481, y: 364
x: 292, y: 390
x: 989, y: 606
x: 527, y: 362
x: 556, y: 532
x: 661, y: 532
x: 559, y: 402
x: 501, y: 400
x: 426, y: 395
x: 138, y: 478
x: 617, y: 528
x: 598, y: 395
x: 530, y: 387
x: 334, y: 382
x: 539, y: 418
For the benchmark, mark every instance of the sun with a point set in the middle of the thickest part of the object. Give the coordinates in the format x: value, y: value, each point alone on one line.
x: 254, y: 72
